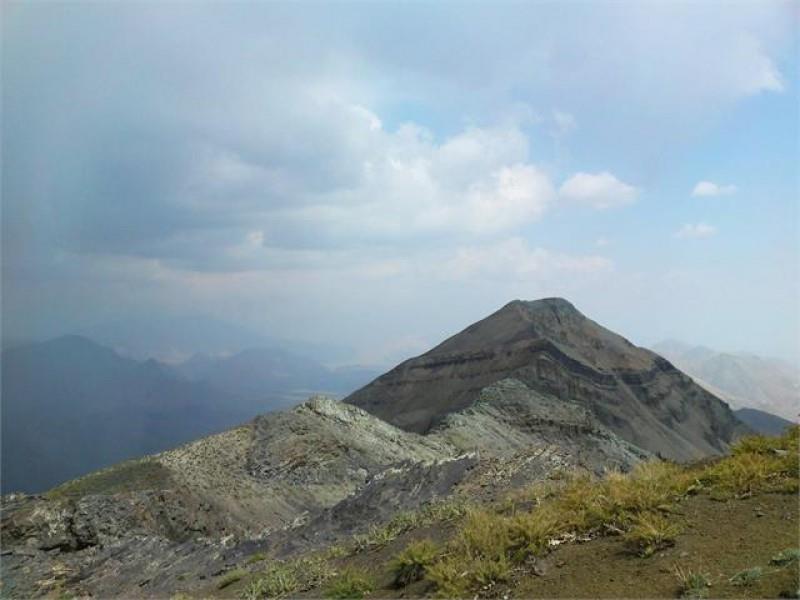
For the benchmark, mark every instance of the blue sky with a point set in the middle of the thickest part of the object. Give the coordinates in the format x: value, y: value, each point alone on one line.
x: 380, y: 175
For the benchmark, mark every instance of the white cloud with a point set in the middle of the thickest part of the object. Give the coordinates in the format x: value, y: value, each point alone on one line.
x: 479, y: 181
x: 696, y: 231
x: 514, y: 258
x: 709, y: 188
x: 600, y: 190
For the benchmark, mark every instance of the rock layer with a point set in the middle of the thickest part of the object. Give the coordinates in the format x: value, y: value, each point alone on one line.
x: 554, y: 349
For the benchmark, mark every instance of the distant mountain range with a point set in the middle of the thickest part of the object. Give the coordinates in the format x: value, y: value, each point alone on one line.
x: 176, y: 338
x: 743, y: 380
x: 70, y: 405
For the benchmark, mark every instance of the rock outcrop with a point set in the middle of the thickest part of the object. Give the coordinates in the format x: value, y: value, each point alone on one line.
x: 300, y: 479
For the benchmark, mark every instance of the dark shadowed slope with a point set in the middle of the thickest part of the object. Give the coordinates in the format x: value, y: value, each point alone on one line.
x: 70, y: 406
x: 553, y: 348
x: 762, y: 422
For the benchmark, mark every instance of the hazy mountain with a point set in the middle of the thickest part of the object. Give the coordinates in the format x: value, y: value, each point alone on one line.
x: 743, y: 380
x: 553, y: 348
x: 70, y: 406
x: 762, y: 422
x: 175, y: 339
x: 286, y: 378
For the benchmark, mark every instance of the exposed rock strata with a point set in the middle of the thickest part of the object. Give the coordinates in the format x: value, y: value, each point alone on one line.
x: 554, y: 349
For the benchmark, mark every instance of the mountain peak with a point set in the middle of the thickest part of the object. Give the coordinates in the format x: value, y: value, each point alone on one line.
x: 555, y: 303
x: 554, y: 349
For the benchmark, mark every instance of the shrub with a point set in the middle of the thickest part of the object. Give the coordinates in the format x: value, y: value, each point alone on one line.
x: 650, y: 533
x: 412, y: 563
x: 693, y: 584
x: 350, y: 584
x: 747, y: 577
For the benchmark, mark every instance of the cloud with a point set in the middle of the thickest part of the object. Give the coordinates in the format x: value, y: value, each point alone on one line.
x: 709, y: 188
x: 696, y: 231
x: 514, y: 258
x: 599, y: 191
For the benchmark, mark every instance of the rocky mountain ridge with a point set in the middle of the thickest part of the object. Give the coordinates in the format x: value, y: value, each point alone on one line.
x: 312, y: 474
x: 553, y: 348
x: 533, y: 390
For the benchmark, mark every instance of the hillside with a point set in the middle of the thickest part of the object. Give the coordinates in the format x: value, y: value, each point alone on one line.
x: 742, y: 380
x: 762, y: 422
x: 260, y: 373
x: 71, y: 406
x: 551, y: 347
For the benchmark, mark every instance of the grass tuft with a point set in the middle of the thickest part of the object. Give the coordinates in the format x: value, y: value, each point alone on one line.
x: 230, y: 578
x: 786, y: 557
x: 747, y: 577
x: 412, y: 563
x: 650, y: 533
x: 692, y: 584
x: 351, y: 584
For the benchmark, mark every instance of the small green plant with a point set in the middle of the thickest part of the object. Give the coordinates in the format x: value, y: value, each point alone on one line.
x: 786, y: 557
x: 455, y: 577
x: 278, y: 580
x: 337, y: 551
x: 692, y: 584
x: 650, y: 533
x: 747, y: 577
x: 257, y: 557
x: 351, y: 584
x: 449, y: 577
x: 412, y: 563
x: 230, y: 578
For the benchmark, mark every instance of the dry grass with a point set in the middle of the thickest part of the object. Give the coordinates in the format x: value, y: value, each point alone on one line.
x: 638, y: 504
x: 412, y: 563
x: 650, y: 533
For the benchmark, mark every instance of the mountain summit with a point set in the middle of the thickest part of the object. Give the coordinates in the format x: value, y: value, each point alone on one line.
x: 554, y: 349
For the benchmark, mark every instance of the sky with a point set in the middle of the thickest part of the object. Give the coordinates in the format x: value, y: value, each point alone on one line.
x: 380, y: 175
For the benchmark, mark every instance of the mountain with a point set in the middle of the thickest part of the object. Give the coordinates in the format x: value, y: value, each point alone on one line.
x: 523, y: 397
x: 71, y: 406
x: 742, y: 380
x: 762, y: 422
x: 553, y: 348
x: 286, y: 378
x: 175, y: 338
